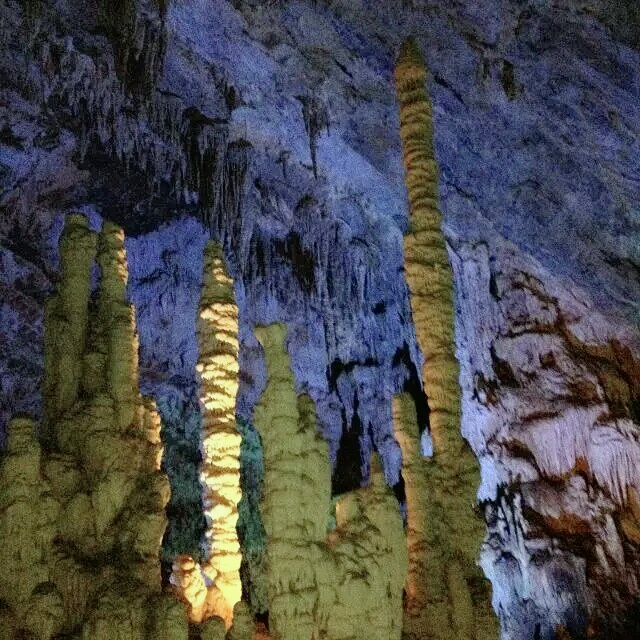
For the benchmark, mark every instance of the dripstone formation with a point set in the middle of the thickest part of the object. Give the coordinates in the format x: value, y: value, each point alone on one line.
x: 82, y: 503
x: 447, y: 593
x: 218, y: 589
x: 339, y: 586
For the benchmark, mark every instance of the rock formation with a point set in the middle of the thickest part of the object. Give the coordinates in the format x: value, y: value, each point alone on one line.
x: 250, y: 528
x: 551, y: 389
x: 82, y: 510
x: 216, y: 592
x: 452, y: 595
x: 339, y: 586
x: 535, y: 108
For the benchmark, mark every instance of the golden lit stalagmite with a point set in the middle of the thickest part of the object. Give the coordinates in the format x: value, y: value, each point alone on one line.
x: 214, y: 588
x: 218, y: 367
x: 342, y: 586
x: 451, y: 597
x: 82, y: 514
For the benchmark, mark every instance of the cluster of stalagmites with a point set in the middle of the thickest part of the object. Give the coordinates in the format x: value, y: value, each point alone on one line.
x: 447, y: 595
x: 82, y: 504
x: 339, y: 586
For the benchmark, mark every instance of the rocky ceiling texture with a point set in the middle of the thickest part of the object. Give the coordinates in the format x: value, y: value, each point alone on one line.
x: 273, y: 126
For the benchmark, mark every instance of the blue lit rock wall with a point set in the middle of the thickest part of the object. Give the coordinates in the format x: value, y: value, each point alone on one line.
x: 276, y: 124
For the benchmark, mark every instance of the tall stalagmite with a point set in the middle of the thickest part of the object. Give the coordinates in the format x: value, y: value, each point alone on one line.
x: 218, y: 368
x: 214, y: 588
x: 342, y: 586
x: 82, y: 511
x: 446, y: 589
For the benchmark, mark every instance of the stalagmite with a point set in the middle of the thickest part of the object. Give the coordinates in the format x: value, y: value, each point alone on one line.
x: 82, y: 515
x: 454, y: 595
x: 416, y: 492
x: 66, y: 319
x: 341, y: 586
x: 242, y: 628
x: 219, y: 585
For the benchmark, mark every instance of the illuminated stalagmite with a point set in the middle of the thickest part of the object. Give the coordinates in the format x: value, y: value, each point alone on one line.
x: 451, y: 594
x: 342, y: 586
x: 214, y: 588
x: 82, y: 514
x: 218, y: 368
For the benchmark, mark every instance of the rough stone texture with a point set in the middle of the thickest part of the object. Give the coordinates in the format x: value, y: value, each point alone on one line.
x: 250, y: 528
x: 82, y: 508
x: 220, y: 471
x: 243, y: 625
x: 319, y: 586
x: 217, y: 329
x: 535, y: 109
x: 448, y: 532
x: 550, y: 392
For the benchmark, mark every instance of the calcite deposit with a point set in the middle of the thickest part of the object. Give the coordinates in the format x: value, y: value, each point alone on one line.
x: 318, y: 586
x: 82, y: 500
x: 220, y: 471
x: 213, y: 588
x: 274, y: 126
x: 445, y: 588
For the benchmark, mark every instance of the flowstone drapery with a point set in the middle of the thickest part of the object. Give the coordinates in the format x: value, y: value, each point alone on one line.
x: 82, y: 510
x: 218, y: 589
x: 451, y: 597
x: 342, y: 586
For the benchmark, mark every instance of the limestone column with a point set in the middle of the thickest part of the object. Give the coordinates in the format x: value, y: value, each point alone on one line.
x: 65, y: 320
x: 453, y: 582
x: 217, y: 329
x: 340, y: 586
x: 291, y: 506
x: 416, y: 491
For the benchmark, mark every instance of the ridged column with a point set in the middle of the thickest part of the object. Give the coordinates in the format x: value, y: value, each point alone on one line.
x: 218, y: 367
x: 416, y: 491
x: 65, y: 320
x: 457, y: 598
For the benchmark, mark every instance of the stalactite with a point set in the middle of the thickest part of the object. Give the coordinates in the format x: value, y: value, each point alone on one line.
x: 137, y: 31
x: 316, y: 119
x: 184, y: 155
x: 214, y: 588
x: 91, y: 494
x: 455, y: 597
x: 348, y: 584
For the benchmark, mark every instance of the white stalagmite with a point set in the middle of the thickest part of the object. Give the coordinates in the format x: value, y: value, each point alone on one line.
x: 218, y: 368
x: 220, y: 475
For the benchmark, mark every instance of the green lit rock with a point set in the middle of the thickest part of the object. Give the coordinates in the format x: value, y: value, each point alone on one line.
x: 82, y: 509
x: 445, y: 533
x: 333, y: 586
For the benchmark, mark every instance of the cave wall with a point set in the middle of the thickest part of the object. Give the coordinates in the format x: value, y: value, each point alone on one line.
x: 275, y: 127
